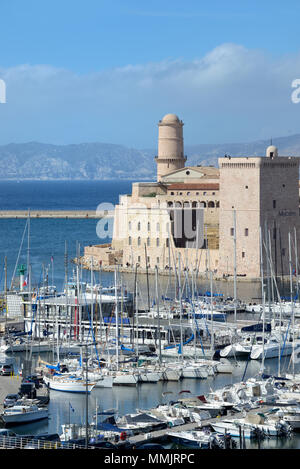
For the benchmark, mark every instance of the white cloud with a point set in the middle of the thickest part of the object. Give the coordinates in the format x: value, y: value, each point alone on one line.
x: 230, y: 94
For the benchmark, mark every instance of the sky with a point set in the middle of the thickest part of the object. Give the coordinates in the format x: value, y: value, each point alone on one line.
x: 107, y: 71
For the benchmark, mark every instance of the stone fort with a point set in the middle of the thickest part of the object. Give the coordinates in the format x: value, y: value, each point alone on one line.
x: 242, y: 217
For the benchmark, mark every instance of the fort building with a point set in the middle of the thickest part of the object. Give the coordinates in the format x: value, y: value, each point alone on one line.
x: 210, y: 218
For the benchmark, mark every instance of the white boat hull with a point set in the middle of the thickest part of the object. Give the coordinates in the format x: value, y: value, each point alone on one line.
x: 67, y: 385
x: 125, y: 379
x: 194, y: 372
x: 236, y: 350
x: 172, y: 375
x: 270, y: 352
x: 149, y: 377
x: 26, y: 417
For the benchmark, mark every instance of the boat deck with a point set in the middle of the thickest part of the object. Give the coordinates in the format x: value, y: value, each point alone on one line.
x: 162, y: 434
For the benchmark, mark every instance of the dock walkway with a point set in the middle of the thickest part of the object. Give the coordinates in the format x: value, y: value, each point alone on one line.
x: 11, y: 385
x: 161, y: 434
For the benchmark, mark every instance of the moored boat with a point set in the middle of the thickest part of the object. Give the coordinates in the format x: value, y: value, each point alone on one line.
x: 23, y: 413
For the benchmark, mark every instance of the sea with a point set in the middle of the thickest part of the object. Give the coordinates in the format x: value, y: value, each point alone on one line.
x: 46, y: 247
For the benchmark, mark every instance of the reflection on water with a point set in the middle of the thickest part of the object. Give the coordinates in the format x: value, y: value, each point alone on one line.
x: 145, y: 396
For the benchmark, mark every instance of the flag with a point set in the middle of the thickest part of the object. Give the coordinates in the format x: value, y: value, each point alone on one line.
x: 25, y: 282
x: 71, y: 408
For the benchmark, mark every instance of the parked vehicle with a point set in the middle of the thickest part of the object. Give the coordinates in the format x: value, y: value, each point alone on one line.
x: 6, y: 370
x: 10, y: 400
x: 28, y: 389
x: 32, y: 379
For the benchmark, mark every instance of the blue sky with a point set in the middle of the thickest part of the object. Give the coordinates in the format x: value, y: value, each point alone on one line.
x: 108, y: 71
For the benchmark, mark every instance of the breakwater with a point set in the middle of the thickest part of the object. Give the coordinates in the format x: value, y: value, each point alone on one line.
x: 55, y: 214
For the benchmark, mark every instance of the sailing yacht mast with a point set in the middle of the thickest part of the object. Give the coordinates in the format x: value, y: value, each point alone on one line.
x: 235, y: 270
x: 262, y: 290
x: 158, y: 315
x: 296, y: 262
x: 292, y: 303
x: 212, y: 316
x: 92, y: 295
x: 117, y: 320
x: 28, y: 265
x: 180, y: 304
x: 137, y: 316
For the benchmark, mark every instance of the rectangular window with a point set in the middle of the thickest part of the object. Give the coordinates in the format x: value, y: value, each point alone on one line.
x: 243, y: 254
x: 231, y: 231
x: 246, y: 231
x: 274, y: 203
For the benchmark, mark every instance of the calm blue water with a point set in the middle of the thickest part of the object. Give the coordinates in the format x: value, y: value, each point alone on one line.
x: 48, y: 236
x: 47, y: 239
x: 145, y: 396
x: 60, y: 195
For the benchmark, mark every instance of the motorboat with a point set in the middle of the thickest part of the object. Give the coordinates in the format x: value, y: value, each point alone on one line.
x: 22, y: 413
x: 253, y: 426
x: 200, y: 439
x: 272, y: 348
x: 240, y: 349
x: 291, y: 415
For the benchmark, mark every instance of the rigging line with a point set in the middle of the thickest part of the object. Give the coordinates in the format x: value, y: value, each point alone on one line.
x: 13, y: 276
x: 197, y: 327
x: 91, y: 330
x: 272, y: 274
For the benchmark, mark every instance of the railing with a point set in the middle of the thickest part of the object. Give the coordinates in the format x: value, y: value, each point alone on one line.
x: 18, y: 442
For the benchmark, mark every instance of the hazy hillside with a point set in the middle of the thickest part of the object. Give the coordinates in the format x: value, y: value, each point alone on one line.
x: 108, y: 161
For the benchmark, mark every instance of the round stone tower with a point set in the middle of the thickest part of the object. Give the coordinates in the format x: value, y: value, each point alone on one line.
x: 170, y: 145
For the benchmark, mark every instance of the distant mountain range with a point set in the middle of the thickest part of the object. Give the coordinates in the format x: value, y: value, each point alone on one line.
x: 42, y: 161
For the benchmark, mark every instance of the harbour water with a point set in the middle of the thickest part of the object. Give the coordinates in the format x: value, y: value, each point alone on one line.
x: 48, y: 236
x: 145, y: 396
x: 47, y: 246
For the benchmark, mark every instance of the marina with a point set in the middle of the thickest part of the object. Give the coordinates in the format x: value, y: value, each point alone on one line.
x: 150, y: 361
x: 150, y: 230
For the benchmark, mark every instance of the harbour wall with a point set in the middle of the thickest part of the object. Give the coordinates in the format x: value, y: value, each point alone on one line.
x: 55, y: 213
